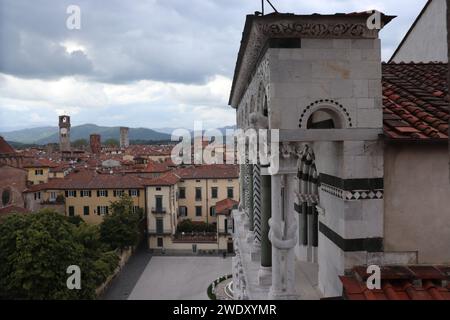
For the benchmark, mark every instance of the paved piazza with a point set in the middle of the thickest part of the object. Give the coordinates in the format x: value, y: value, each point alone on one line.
x: 179, y: 278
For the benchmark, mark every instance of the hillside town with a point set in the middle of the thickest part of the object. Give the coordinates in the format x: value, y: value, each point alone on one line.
x: 345, y: 198
x: 84, y: 182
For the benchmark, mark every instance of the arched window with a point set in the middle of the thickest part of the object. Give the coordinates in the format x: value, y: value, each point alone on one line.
x: 6, y: 197
x: 265, y: 107
x: 261, y: 99
x: 325, y: 114
x: 324, y: 119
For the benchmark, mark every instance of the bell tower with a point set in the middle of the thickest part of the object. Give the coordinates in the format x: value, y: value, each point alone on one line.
x: 64, y: 133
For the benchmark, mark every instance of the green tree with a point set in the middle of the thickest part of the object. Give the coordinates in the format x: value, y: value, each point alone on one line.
x: 112, y: 143
x: 37, y: 249
x: 120, y: 229
x: 99, y: 261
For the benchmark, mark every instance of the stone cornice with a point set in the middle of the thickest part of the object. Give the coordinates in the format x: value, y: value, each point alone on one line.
x: 259, y: 29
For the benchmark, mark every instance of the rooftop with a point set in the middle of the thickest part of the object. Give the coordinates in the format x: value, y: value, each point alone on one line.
x: 400, y: 283
x: 415, y: 101
x: 5, y: 148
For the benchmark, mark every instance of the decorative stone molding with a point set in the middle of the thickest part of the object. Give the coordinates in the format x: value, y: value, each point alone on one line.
x: 352, y: 189
x: 326, y: 104
x: 353, y: 195
x: 258, y: 30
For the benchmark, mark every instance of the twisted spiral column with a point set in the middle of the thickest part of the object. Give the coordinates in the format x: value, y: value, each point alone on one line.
x: 257, y: 205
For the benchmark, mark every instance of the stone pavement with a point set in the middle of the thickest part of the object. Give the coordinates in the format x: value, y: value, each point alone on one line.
x: 179, y: 278
x: 121, y: 287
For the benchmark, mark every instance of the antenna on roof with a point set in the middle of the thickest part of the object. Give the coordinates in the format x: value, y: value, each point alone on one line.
x: 261, y: 13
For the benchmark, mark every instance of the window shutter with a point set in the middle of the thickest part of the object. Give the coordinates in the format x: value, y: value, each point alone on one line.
x: 81, y: 194
x: 138, y: 193
x: 75, y: 193
x: 129, y: 193
x: 106, y: 193
x: 115, y: 193
x: 90, y: 193
x: 98, y: 209
x: 98, y: 193
x: 107, y: 210
x: 66, y: 193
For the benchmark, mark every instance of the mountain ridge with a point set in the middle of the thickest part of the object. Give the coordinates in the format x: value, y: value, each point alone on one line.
x: 49, y: 134
x: 45, y: 135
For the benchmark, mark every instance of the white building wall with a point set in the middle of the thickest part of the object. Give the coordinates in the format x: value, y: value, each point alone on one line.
x: 427, y: 42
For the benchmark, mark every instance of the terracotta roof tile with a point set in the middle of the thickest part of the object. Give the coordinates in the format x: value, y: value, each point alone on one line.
x: 167, y: 179
x: 400, y: 283
x: 225, y: 206
x: 216, y: 171
x: 415, y: 101
x: 5, y: 148
x: 89, y: 179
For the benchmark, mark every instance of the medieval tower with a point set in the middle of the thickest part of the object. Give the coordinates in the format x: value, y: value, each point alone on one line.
x: 64, y: 133
x: 124, y: 139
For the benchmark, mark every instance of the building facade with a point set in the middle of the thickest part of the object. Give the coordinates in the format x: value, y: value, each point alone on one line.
x: 339, y: 198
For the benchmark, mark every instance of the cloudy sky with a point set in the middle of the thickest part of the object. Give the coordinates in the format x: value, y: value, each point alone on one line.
x: 139, y: 63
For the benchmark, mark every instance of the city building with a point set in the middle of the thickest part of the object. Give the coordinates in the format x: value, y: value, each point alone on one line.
x: 353, y: 134
x: 95, y: 143
x: 191, y: 193
x: 86, y: 193
x: 124, y: 138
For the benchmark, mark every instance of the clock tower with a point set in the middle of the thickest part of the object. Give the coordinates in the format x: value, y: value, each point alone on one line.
x: 64, y: 133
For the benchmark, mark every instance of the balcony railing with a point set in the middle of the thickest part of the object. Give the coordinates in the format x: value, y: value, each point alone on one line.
x: 201, y: 237
x: 153, y: 232
x: 158, y: 210
x: 53, y: 202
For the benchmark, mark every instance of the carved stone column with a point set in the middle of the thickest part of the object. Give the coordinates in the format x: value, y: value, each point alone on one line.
x: 241, y: 187
x: 283, y: 235
x: 246, y: 196
x: 249, y: 205
x: 256, y: 248
x: 265, y: 271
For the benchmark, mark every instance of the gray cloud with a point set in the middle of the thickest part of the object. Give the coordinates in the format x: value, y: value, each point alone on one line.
x: 187, y: 49
x: 163, y: 40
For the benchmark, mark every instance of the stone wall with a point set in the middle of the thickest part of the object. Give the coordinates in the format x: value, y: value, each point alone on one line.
x: 417, y: 192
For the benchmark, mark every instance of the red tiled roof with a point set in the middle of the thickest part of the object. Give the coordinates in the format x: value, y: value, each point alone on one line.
x: 5, y: 148
x: 88, y: 179
x: 215, y: 171
x: 415, y: 101
x: 157, y: 167
x: 400, y: 283
x: 224, y: 206
x: 40, y: 163
x: 168, y: 179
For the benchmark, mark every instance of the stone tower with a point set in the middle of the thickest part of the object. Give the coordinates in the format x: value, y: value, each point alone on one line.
x: 95, y: 143
x: 64, y: 133
x: 124, y: 140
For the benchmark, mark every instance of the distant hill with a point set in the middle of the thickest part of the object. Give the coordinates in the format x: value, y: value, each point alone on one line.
x: 29, y: 136
x: 45, y: 135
